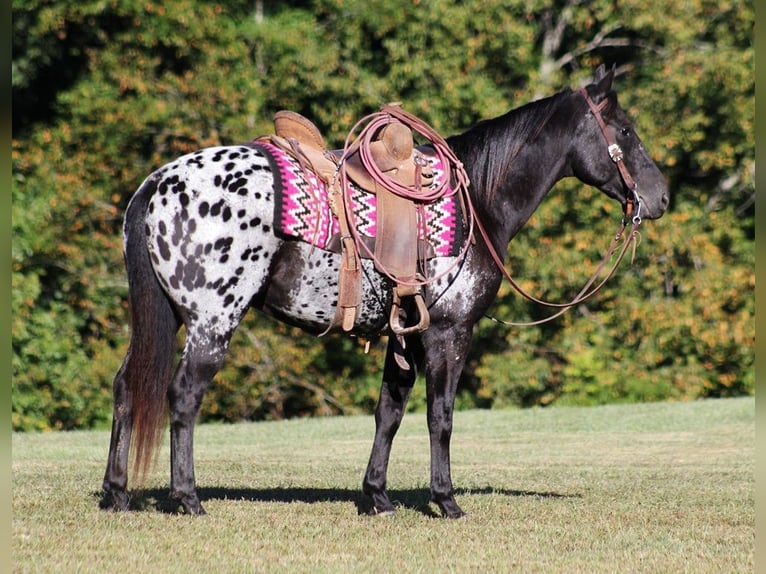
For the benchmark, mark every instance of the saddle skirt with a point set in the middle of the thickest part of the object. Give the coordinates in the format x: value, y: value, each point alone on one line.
x: 302, y: 208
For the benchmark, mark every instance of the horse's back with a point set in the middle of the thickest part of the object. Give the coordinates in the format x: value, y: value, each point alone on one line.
x: 210, y: 234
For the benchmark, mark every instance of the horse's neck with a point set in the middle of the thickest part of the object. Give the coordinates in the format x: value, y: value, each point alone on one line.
x: 532, y: 175
x: 532, y: 166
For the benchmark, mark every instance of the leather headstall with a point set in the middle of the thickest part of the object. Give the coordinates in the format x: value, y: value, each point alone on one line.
x: 632, y: 200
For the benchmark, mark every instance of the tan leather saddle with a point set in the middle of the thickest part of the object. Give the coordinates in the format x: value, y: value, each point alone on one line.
x: 392, y: 156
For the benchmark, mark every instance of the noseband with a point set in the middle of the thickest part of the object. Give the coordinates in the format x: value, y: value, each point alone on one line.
x: 632, y: 211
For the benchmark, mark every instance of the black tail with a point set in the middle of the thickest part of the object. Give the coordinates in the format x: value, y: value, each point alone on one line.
x: 154, y: 324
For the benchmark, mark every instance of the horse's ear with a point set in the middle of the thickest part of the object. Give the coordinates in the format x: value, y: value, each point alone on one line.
x: 602, y: 81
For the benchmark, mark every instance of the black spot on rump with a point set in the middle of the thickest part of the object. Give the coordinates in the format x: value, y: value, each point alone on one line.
x: 216, y: 208
x: 237, y: 184
x: 223, y: 244
x: 163, y: 247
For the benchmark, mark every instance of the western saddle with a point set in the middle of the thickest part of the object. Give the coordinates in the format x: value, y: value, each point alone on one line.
x: 384, y: 161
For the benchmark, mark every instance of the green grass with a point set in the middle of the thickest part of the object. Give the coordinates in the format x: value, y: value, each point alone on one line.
x: 634, y: 488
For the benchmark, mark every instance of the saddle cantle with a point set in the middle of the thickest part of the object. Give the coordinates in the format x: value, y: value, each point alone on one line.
x: 384, y: 163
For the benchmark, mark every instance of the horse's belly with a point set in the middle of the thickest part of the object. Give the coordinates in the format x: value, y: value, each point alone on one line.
x: 304, y: 286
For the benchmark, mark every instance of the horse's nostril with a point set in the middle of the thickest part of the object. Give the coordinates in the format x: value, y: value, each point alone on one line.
x: 665, y: 200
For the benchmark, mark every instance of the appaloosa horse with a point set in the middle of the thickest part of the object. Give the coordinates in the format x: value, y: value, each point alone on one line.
x: 200, y: 248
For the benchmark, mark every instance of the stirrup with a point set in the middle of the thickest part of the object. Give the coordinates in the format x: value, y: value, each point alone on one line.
x: 395, y: 321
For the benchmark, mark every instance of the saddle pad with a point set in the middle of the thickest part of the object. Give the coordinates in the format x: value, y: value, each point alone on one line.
x: 302, y: 210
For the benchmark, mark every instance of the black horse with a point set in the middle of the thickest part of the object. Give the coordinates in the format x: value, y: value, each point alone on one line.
x: 200, y: 248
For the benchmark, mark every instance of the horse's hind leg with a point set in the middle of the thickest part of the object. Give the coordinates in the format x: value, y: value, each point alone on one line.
x: 202, y: 358
x: 394, y: 393
x: 115, y: 495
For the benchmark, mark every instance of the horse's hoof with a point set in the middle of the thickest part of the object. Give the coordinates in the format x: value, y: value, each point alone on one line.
x: 450, y: 509
x: 383, y: 512
x: 186, y: 504
x: 193, y: 509
x: 115, y: 501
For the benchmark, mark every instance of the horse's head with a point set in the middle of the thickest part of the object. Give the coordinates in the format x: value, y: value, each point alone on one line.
x: 606, y: 139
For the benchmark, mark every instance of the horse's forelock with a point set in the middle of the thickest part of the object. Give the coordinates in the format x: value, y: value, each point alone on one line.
x: 611, y: 104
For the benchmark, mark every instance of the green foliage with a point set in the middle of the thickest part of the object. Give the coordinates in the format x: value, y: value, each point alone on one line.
x: 104, y: 92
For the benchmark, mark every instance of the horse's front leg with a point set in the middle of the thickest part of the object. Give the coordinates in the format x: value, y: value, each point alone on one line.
x: 446, y: 351
x: 394, y: 392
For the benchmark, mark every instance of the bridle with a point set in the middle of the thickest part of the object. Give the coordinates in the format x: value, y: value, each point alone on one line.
x: 632, y: 215
x: 615, y: 153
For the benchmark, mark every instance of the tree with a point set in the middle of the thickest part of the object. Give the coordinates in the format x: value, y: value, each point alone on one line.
x: 104, y: 92
x: 695, y: 66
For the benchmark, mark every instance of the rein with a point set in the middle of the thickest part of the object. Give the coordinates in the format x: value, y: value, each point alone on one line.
x: 632, y: 203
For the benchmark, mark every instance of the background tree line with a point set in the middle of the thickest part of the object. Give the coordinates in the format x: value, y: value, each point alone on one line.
x: 105, y: 91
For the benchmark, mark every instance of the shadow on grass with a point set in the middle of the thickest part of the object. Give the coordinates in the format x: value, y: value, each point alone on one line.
x: 418, y: 499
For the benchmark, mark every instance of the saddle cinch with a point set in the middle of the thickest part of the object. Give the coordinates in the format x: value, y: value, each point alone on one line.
x: 397, y: 249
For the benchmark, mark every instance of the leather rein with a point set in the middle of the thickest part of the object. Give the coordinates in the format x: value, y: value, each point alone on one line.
x: 632, y: 215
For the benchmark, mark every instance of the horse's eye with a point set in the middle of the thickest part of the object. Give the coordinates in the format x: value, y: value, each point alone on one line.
x: 625, y: 131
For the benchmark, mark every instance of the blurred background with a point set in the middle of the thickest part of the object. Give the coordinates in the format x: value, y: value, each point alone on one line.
x: 106, y: 91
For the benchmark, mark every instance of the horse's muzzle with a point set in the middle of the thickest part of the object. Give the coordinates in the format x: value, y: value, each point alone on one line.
x: 654, y: 205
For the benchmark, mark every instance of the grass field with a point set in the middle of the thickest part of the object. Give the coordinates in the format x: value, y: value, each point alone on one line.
x: 637, y: 488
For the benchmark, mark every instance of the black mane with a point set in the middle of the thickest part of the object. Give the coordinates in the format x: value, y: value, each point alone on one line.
x: 489, y: 148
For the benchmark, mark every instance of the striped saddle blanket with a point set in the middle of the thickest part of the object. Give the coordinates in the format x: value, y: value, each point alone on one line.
x: 302, y: 210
